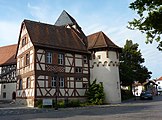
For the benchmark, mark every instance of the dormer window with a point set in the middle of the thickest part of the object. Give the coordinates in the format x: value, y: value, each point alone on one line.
x: 24, y: 42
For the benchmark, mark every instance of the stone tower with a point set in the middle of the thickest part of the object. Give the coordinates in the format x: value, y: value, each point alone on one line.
x: 105, y: 65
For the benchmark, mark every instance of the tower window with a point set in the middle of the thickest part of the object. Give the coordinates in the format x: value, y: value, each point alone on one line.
x: 4, y: 86
x: 107, y: 54
x: 99, y: 56
x: 4, y: 94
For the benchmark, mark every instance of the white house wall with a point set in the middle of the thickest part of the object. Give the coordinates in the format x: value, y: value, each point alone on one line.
x: 8, y: 89
x: 159, y: 87
x: 106, y: 70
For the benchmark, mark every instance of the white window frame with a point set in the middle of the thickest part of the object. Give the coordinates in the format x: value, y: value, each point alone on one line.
x: 49, y: 57
x: 53, y: 81
x: 60, y: 59
x: 61, y: 82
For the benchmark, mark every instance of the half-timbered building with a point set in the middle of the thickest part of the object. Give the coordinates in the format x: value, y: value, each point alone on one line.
x: 8, y: 72
x: 59, y: 61
x: 52, y: 61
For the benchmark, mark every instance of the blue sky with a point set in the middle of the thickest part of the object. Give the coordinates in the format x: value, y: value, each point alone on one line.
x: 109, y: 16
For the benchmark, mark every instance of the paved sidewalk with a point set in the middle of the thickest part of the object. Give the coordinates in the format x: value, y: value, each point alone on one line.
x: 14, y: 109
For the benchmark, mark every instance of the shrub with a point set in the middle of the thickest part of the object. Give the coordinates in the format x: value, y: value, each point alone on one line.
x: 39, y: 103
x: 95, y: 93
x: 74, y: 103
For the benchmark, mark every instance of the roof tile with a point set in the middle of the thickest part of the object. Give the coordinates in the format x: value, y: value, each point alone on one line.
x: 52, y: 36
x: 7, y: 55
x: 100, y: 40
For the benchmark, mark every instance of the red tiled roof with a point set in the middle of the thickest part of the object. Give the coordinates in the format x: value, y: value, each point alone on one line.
x: 7, y: 55
x: 100, y: 40
x: 52, y: 36
x: 160, y: 78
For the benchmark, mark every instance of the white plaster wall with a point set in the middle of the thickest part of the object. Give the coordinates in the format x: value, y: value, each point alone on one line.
x: 159, y: 87
x: 78, y: 62
x: 9, y: 89
x: 109, y: 75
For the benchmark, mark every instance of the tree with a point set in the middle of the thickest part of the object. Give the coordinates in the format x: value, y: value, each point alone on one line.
x: 149, y: 19
x: 95, y: 93
x: 131, y: 68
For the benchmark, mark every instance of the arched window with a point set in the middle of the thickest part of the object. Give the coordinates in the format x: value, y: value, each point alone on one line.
x: 28, y: 83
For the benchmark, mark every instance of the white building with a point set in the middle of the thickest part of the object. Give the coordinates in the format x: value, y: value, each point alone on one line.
x: 105, y: 65
x: 159, y: 87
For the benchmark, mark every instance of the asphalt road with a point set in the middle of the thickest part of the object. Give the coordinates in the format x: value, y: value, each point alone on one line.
x: 130, y: 110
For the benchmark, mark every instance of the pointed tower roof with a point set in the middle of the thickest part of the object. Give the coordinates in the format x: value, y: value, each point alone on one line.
x: 65, y: 19
x: 100, y: 40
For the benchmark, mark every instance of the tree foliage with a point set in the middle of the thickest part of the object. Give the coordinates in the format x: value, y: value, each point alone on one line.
x: 95, y: 93
x: 149, y: 19
x: 131, y: 68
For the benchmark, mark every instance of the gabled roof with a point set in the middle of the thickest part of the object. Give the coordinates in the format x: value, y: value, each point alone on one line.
x: 52, y: 36
x: 7, y: 55
x: 100, y: 40
x: 65, y: 19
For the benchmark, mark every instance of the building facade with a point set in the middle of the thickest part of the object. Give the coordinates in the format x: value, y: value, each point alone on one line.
x: 8, y: 72
x: 52, y: 62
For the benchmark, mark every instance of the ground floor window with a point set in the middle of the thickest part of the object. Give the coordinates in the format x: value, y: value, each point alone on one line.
x: 4, y: 94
